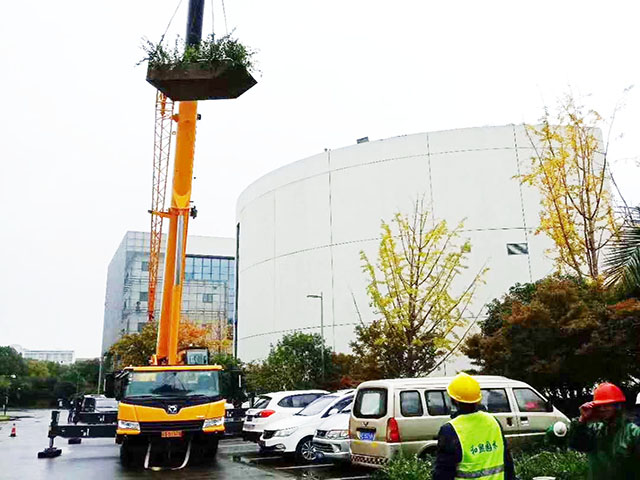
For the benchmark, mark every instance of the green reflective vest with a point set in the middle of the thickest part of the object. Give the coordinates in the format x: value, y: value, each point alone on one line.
x: 482, y: 447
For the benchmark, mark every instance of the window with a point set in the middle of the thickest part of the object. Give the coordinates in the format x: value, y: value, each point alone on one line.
x: 340, y: 405
x: 144, y: 266
x: 494, y: 400
x: 301, y: 401
x: 144, y: 296
x: 262, y: 402
x: 207, y: 298
x: 529, y: 401
x: 436, y: 403
x: 371, y: 403
x: 517, y: 249
x: 317, y: 406
x: 410, y: 404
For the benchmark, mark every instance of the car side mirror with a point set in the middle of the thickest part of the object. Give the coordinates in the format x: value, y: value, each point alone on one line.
x: 548, y: 406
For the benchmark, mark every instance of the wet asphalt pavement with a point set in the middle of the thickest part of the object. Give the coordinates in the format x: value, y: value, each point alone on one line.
x: 98, y: 459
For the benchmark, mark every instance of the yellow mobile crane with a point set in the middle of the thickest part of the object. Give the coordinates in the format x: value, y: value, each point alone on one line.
x: 174, y: 406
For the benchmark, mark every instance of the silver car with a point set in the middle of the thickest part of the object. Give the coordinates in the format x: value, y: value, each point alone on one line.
x: 331, y: 439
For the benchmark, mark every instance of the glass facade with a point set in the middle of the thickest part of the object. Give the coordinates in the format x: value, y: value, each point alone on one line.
x: 208, y: 295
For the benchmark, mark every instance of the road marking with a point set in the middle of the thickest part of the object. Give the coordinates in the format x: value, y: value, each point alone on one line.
x: 305, y: 466
x: 349, y: 478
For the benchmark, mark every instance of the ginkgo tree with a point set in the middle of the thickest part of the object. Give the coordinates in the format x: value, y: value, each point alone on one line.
x: 414, y: 289
x: 569, y: 169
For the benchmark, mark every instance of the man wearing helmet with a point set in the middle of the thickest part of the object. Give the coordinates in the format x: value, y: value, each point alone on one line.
x: 611, y: 442
x: 471, y: 444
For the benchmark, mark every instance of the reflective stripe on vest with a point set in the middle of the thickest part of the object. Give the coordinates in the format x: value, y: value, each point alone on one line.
x: 482, y: 446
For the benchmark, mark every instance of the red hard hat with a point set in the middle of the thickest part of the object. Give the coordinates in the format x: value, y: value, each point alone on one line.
x: 607, y: 393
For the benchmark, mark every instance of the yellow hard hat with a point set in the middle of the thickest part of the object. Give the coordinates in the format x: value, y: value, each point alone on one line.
x: 464, y: 388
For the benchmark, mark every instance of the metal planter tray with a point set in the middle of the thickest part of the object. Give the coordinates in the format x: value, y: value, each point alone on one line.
x: 220, y: 80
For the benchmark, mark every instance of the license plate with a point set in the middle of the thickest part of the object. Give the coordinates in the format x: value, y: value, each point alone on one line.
x: 367, y: 436
x: 171, y: 434
x: 249, y: 426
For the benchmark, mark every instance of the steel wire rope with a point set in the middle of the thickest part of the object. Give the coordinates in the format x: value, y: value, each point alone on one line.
x: 170, y: 20
x: 224, y: 14
x: 213, y: 32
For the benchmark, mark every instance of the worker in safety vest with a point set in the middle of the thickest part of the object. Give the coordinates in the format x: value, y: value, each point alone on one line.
x: 610, y: 440
x: 471, y: 444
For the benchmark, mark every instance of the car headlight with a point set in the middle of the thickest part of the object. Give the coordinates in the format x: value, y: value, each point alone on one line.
x: 337, y: 434
x: 213, y: 422
x: 285, y: 432
x: 127, y: 425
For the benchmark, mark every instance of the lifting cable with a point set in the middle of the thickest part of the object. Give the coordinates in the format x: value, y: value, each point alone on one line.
x: 170, y: 20
x: 224, y: 13
x: 213, y: 24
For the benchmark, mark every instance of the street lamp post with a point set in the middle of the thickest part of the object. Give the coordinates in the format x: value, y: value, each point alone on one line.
x: 321, y: 327
x: 6, y: 393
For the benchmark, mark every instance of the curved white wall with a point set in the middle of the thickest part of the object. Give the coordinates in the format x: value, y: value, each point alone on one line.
x: 302, y: 226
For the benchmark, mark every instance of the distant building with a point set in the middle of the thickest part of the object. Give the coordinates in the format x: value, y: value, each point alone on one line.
x: 208, y: 294
x: 63, y: 357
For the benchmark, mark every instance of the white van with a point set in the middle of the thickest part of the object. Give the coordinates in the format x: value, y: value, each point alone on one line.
x: 405, y: 415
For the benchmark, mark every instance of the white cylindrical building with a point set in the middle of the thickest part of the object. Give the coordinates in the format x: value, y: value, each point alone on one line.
x: 302, y: 227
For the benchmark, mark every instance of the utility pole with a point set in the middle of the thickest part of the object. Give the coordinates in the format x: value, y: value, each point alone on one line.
x: 321, y: 327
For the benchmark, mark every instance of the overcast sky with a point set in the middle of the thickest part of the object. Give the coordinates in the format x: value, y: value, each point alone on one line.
x: 77, y: 116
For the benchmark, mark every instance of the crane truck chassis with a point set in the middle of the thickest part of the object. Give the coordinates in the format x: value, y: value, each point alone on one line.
x: 170, y: 413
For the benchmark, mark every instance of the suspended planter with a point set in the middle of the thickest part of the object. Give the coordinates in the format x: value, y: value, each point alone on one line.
x: 211, y: 70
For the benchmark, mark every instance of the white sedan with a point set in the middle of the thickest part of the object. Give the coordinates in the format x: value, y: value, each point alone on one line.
x: 275, y: 406
x: 295, y: 434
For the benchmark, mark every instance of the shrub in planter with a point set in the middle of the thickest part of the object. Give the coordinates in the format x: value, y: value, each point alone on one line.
x: 563, y: 465
x: 405, y: 468
x: 211, y: 70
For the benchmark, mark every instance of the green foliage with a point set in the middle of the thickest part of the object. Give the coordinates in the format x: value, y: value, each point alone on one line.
x: 623, y: 257
x: 563, y: 465
x: 42, y: 383
x: 405, y: 468
x: 294, y: 363
x: 560, y: 336
x: 410, y: 287
x: 229, y: 384
x: 207, y: 53
x: 11, y: 362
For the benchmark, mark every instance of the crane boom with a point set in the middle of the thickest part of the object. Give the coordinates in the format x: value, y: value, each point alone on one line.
x: 167, y: 346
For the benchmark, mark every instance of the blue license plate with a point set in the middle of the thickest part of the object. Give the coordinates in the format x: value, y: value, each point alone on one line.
x: 367, y: 436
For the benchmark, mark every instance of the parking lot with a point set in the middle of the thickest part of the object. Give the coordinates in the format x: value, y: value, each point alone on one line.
x: 98, y: 459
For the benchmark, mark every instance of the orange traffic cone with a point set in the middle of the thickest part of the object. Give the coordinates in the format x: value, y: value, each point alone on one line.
x: 13, y: 431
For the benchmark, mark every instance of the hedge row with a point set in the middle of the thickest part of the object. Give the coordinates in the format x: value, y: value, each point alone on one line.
x: 563, y: 465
